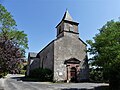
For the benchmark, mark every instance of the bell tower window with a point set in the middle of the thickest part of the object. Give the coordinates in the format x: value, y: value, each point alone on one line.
x: 67, y: 26
x: 71, y: 28
x: 60, y: 30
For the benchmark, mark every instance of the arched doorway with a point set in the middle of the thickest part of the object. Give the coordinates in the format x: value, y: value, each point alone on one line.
x: 73, y: 74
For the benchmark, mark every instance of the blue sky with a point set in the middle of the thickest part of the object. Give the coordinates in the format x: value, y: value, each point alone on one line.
x: 38, y: 18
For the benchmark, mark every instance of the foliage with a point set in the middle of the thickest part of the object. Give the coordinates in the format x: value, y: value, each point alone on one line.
x: 22, y: 72
x: 42, y: 74
x: 12, y: 43
x: 106, y: 50
x: 114, y: 75
x: 23, y: 67
x: 96, y: 75
x: 2, y: 74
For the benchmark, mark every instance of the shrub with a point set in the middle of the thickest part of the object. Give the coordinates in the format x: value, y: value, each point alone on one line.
x: 2, y: 74
x: 41, y: 74
x: 114, y: 75
x: 96, y: 75
x: 22, y: 72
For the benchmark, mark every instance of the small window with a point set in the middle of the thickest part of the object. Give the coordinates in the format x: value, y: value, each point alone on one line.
x: 71, y: 28
x: 60, y: 29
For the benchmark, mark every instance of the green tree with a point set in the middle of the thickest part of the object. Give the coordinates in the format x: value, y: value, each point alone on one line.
x: 12, y: 43
x: 105, y: 49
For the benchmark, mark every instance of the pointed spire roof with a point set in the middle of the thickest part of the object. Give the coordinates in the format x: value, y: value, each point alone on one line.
x: 67, y: 16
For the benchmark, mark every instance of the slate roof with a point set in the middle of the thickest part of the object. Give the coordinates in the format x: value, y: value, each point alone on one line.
x: 67, y: 16
x: 32, y: 54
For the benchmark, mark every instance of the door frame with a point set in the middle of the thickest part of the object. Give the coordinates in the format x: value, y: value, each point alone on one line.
x: 72, y: 63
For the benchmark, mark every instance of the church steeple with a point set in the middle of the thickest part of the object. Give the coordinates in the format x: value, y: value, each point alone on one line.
x: 67, y: 25
x: 67, y: 16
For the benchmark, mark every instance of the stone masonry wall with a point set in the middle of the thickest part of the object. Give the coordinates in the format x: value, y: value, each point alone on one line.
x: 34, y: 63
x: 47, y: 56
x: 65, y: 48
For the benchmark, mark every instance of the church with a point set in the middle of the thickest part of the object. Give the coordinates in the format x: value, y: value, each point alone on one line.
x: 66, y: 55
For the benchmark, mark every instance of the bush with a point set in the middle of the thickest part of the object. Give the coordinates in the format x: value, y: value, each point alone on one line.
x: 24, y: 67
x: 2, y: 74
x: 96, y: 75
x: 22, y: 72
x: 114, y: 75
x: 42, y: 74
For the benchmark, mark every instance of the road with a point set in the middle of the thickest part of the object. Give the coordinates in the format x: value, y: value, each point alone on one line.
x: 13, y: 83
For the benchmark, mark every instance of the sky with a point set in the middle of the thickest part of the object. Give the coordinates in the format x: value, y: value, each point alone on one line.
x: 38, y: 18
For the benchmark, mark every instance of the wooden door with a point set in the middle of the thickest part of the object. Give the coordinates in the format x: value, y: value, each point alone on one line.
x: 73, y: 74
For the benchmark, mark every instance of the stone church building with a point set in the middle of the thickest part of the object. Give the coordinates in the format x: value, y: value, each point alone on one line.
x: 66, y: 55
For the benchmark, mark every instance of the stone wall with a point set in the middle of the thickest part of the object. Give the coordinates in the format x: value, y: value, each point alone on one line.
x: 47, y: 56
x: 65, y: 48
x: 67, y: 27
x: 32, y: 64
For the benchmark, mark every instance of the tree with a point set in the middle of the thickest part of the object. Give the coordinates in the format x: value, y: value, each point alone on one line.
x: 12, y: 43
x: 106, y: 52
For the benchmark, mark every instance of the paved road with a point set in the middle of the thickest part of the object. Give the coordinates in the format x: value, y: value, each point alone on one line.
x: 1, y: 83
x: 12, y: 83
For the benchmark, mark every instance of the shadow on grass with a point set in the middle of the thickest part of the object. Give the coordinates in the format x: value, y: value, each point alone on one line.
x: 96, y: 88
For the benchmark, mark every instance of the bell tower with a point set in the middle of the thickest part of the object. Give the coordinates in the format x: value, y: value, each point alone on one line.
x: 67, y: 26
